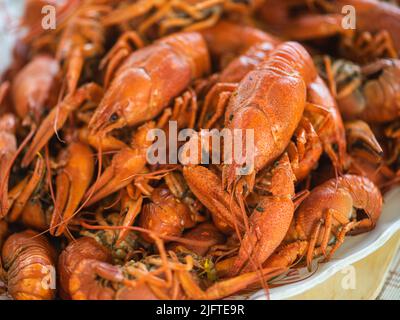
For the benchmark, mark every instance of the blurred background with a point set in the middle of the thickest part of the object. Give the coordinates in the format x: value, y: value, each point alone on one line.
x: 10, y: 11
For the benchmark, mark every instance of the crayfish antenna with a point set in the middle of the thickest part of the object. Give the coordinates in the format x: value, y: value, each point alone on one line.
x: 299, y: 198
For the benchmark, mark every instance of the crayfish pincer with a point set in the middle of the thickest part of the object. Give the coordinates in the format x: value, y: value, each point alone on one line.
x: 29, y: 261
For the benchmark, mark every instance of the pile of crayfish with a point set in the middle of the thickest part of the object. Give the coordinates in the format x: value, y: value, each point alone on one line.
x: 84, y: 214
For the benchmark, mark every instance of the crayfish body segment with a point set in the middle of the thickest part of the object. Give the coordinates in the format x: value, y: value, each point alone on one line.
x: 29, y: 260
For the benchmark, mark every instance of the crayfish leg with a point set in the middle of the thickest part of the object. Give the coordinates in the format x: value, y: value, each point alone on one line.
x: 219, y: 91
x: 118, y: 53
x: 340, y: 238
x: 132, y: 207
x: 286, y: 255
x: 312, y: 244
x: 130, y: 12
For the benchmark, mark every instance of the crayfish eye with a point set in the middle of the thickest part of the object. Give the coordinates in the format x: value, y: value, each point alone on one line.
x: 114, y: 117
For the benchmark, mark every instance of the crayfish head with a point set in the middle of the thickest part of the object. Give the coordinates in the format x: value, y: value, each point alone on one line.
x: 324, y: 199
x: 129, y: 101
x: 107, y: 118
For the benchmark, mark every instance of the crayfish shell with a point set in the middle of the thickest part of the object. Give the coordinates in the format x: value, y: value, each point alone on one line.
x: 29, y: 260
